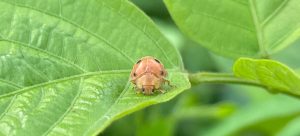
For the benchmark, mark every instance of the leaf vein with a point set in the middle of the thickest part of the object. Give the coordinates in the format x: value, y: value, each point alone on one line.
x: 285, y: 36
x: 8, y: 107
x: 60, y: 119
x: 222, y: 20
x: 272, y: 15
x: 259, y: 35
x: 89, y: 74
x: 109, y: 110
x: 12, y: 84
x: 45, y: 52
x: 75, y: 25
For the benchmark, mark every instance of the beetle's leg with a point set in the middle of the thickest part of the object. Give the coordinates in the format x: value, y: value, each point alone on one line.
x: 161, y: 90
x: 138, y: 91
x: 132, y: 81
x: 168, y: 82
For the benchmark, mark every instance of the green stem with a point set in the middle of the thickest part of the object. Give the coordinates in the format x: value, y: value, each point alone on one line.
x: 206, y: 77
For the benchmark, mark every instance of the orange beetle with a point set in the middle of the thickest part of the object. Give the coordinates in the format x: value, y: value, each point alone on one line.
x: 148, y: 75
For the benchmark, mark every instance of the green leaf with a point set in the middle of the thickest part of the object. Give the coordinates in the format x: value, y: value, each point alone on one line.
x: 273, y: 75
x: 291, y: 129
x: 254, y: 28
x: 260, y: 118
x: 289, y: 56
x: 65, y: 64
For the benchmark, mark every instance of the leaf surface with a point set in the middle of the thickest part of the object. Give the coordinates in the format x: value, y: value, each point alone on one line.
x: 65, y: 64
x: 275, y: 76
x: 264, y: 117
x: 235, y: 28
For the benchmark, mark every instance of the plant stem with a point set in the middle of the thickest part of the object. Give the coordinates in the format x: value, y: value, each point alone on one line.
x: 206, y: 77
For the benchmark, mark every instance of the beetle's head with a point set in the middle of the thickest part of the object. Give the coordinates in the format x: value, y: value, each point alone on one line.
x: 148, y: 89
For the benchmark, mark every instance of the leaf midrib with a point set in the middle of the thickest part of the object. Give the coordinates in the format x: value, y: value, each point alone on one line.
x: 259, y: 27
x: 262, y: 50
x: 84, y: 75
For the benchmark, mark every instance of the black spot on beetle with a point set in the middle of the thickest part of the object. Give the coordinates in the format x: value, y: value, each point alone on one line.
x: 157, y: 60
x: 138, y: 61
x: 134, y: 74
x: 162, y: 73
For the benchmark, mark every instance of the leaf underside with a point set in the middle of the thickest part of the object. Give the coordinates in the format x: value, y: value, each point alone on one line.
x: 65, y: 64
x: 235, y: 28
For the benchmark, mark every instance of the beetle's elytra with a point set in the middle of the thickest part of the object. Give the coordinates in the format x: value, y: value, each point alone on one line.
x: 148, y: 74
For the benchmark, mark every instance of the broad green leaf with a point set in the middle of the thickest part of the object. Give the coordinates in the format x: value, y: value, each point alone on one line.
x: 267, y: 117
x: 65, y: 64
x: 289, y: 56
x: 254, y: 28
x: 291, y: 129
x: 275, y: 76
x: 298, y: 71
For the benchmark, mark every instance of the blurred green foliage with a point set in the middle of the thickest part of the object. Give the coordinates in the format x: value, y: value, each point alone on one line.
x: 214, y: 110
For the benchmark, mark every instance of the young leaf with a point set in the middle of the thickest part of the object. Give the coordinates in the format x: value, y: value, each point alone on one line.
x: 235, y: 28
x: 65, y: 64
x: 275, y: 76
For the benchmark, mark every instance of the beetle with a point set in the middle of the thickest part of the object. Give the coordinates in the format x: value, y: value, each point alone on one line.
x: 148, y: 74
